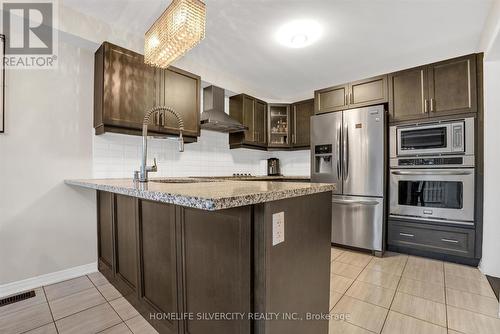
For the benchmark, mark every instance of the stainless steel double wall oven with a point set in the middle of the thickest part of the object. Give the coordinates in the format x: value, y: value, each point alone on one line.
x: 432, y: 171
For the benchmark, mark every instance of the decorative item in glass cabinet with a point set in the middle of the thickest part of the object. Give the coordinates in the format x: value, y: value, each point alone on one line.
x: 176, y: 31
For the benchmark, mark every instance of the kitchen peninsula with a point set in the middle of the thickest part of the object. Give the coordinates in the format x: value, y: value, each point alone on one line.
x: 178, y: 248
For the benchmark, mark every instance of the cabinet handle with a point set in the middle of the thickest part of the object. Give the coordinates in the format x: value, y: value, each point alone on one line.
x: 426, y: 106
x: 450, y: 241
x: 346, y: 99
x: 432, y: 105
x: 350, y: 98
x: 407, y: 235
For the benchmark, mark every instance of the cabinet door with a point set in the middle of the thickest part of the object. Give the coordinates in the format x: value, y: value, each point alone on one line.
x: 331, y: 99
x: 279, y: 125
x: 126, y: 239
x: 260, y: 122
x: 368, y: 92
x: 105, y: 230
x: 301, y: 115
x: 182, y: 93
x: 408, y: 94
x: 129, y: 87
x: 158, y: 259
x: 452, y: 86
x: 217, y: 267
x: 248, y: 118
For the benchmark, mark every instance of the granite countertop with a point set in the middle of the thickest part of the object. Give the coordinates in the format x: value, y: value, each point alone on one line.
x: 204, y: 192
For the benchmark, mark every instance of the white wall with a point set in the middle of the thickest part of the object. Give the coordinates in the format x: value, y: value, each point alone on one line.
x: 45, y: 225
x: 490, y: 263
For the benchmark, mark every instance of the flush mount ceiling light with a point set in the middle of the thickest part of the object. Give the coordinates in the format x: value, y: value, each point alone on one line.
x: 176, y: 31
x: 299, y: 33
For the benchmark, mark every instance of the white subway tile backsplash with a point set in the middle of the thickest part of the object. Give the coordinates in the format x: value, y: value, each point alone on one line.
x: 117, y: 156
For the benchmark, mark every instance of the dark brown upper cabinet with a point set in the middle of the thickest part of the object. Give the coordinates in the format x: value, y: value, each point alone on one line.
x: 439, y: 89
x: 331, y: 99
x: 301, y: 123
x: 368, y: 92
x: 125, y: 88
x: 452, y: 86
x: 252, y: 113
x: 279, y: 125
x: 407, y: 94
x: 352, y: 95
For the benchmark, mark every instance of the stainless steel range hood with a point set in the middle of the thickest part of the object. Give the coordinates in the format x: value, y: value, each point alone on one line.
x: 213, y: 116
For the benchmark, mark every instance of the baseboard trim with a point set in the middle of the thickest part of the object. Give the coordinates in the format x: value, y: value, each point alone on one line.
x: 38, y: 281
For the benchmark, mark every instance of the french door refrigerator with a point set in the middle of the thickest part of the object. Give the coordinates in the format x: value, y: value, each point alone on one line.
x: 348, y: 149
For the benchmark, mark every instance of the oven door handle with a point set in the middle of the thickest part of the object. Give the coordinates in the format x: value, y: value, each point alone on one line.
x: 431, y: 173
x: 349, y: 202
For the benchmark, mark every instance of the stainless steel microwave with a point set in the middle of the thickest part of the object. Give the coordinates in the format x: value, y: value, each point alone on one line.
x: 447, y: 137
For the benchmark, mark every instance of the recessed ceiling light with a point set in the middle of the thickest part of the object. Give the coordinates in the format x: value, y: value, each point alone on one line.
x: 299, y: 33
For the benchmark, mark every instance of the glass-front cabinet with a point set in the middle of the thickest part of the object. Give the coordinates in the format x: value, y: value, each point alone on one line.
x: 279, y: 125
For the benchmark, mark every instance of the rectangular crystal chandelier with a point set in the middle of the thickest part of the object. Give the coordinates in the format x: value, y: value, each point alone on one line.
x: 176, y: 31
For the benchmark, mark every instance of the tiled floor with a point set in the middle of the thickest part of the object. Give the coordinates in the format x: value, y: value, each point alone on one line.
x: 87, y: 304
x: 395, y: 294
x: 405, y: 294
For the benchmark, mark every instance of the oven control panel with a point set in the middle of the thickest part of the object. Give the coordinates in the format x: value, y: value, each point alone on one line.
x: 430, y: 161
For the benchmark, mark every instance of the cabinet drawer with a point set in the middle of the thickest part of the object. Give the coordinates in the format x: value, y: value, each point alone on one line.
x: 439, y: 239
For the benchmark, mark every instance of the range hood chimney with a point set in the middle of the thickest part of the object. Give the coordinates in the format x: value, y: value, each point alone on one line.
x: 213, y: 116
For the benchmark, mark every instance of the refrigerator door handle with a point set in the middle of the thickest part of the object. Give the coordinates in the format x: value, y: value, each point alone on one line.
x: 338, y: 151
x: 345, y: 154
x: 349, y: 202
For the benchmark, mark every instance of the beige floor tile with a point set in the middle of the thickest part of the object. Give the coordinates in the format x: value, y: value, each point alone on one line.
x: 472, y: 302
x: 345, y: 270
x: 427, y: 290
x: 68, y: 287
x: 343, y: 327
x: 362, y: 314
x: 478, y: 287
x: 398, y: 323
x: 354, y: 258
x: 335, y: 252
x: 471, y: 323
x: 334, y: 298
x: 46, y: 329
x: 424, y: 273
x: 92, y: 320
x: 379, y: 278
x: 25, y: 319
x: 117, y: 329
x: 139, y: 325
x: 451, y: 331
x: 463, y: 271
x: 68, y: 305
x: 340, y: 284
x: 98, y: 278
x: 124, y: 309
x: 16, y: 307
x: 109, y: 291
x: 392, y: 264
x: 371, y: 293
x: 420, y: 308
x: 425, y: 263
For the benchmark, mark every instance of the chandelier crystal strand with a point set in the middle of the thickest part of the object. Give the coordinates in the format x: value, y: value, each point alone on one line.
x: 176, y: 31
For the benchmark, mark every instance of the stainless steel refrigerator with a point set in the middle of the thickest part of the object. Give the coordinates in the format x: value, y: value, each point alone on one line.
x: 348, y: 149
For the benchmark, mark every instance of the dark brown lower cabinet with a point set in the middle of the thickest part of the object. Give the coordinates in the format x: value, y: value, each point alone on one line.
x: 180, y: 266
x: 126, y: 239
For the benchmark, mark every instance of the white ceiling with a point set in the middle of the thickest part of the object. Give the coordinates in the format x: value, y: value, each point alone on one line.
x: 361, y: 37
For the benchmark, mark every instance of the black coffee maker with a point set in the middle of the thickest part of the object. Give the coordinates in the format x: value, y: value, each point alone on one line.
x: 273, y: 167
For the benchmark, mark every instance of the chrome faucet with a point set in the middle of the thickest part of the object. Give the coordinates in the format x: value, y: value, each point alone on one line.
x: 141, y: 175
